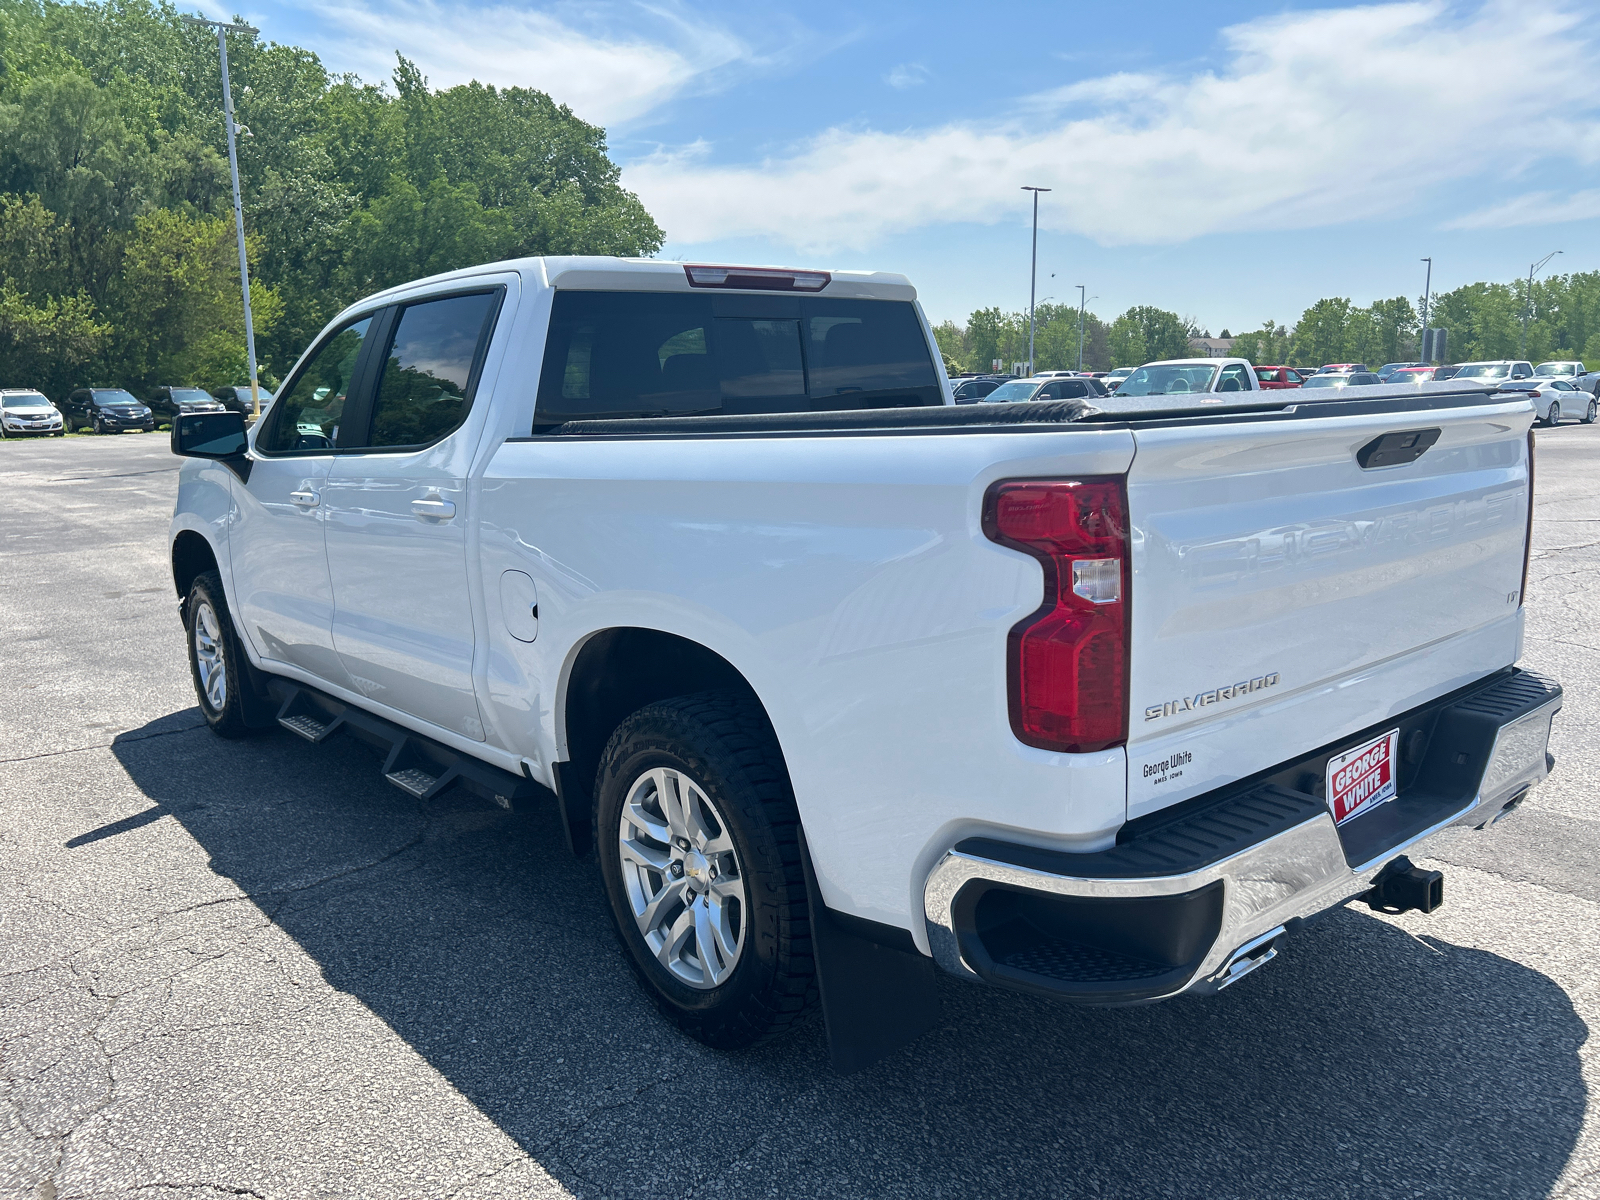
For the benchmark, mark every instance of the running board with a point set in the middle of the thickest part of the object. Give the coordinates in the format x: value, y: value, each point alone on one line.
x: 419, y: 766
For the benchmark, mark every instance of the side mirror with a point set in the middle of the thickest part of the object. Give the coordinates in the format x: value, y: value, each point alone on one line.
x: 219, y: 436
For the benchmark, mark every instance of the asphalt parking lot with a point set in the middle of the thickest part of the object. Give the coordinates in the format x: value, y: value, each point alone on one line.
x: 257, y: 969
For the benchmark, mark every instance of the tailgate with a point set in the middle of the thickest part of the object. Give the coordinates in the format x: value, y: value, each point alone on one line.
x: 1284, y: 596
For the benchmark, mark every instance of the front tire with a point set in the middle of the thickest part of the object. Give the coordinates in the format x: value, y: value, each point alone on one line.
x: 214, y: 656
x: 699, y: 849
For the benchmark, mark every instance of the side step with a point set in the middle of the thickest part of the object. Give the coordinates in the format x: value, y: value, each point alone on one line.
x: 419, y: 766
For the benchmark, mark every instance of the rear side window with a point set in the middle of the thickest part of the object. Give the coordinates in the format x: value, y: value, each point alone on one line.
x: 643, y: 354
x: 424, y: 390
x: 307, y: 415
x: 1234, y: 378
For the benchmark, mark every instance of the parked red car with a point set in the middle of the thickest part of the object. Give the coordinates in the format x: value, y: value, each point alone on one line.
x: 1278, y: 378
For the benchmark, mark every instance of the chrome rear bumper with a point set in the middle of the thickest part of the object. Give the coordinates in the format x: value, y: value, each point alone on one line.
x: 1273, y: 853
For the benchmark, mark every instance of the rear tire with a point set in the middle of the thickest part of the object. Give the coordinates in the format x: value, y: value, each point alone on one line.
x: 1588, y: 416
x: 1553, y: 417
x: 215, y: 661
x: 699, y: 845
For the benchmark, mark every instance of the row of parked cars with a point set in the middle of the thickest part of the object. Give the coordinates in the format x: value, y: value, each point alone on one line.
x: 1559, y: 388
x: 27, y: 412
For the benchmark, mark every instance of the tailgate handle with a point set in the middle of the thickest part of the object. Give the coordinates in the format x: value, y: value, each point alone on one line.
x: 1395, y: 449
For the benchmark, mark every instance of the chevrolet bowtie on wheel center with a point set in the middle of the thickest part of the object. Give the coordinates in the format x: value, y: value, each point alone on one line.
x: 843, y: 684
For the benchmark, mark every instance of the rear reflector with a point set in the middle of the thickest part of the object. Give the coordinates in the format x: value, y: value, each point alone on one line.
x: 1067, y: 663
x: 765, y: 279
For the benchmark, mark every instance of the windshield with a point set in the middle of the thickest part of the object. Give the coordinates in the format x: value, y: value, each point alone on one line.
x: 114, y: 396
x: 26, y: 400
x: 1411, y: 375
x: 1327, y: 381
x: 190, y: 395
x: 1168, y: 380
x: 1484, y: 371
x: 1555, y: 369
x: 1017, y: 389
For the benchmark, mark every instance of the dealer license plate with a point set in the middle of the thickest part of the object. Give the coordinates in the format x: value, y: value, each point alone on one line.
x: 1361, y: 779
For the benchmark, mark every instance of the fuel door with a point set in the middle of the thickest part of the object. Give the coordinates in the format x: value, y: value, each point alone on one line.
x: 519, y: 602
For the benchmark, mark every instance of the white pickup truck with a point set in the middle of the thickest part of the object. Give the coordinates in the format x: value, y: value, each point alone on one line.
x: 844, y: 683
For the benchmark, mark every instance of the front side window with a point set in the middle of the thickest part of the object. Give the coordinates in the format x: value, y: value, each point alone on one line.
x: 307, y: 415
x: 423, y: 393
x: 644, y: 354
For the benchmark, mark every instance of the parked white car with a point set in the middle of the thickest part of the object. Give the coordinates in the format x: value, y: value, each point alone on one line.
x: 27, y: 413
x: 853, y: 683
x: 1490, y: 369
x: 1554, y: 398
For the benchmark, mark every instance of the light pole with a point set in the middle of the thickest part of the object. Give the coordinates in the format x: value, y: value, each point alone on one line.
x: 1427, y: 290
x: 1081, y: 303
x: 1033, y: 272
x: 223, y: 28
x: 1527, y: 301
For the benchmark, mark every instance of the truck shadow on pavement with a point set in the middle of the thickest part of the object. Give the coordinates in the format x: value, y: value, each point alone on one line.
x: 1363, y: 1062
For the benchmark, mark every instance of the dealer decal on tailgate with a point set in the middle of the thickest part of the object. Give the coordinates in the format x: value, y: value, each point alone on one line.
x: 1361, y: 779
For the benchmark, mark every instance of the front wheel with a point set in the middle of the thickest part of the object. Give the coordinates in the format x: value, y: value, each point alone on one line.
x: 699, y: 847
x: 214, y: 654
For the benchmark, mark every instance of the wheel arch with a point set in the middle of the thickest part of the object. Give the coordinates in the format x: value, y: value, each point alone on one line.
x: 619, y: 670
x: 192, y: 556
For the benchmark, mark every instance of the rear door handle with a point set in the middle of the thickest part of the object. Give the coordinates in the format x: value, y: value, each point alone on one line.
x: 304, y: 499
x: 432, y: 508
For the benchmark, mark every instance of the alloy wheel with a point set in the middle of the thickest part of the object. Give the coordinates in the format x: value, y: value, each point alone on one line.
x: 209, y: 656
x: 1554, y: 417
x: 681, y: 871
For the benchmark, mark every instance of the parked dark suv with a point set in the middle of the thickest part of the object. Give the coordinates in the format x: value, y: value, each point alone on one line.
x: 170, y: 402
x: 237, y: 399
x: 106, y: 410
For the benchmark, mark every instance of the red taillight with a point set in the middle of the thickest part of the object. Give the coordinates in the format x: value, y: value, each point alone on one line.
x: 766, y: 279
x: 1067, y: 669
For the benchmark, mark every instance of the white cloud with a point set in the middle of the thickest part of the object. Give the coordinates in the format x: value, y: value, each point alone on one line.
x: 906, y: 75
x: 1535, y: 208
x: 606, y: 76
x: 1310, y: 119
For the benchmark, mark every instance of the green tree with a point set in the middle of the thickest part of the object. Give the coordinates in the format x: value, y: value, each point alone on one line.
x: 1320, y: 335
x: 177, y: 311
x: 1146, y: 334
x: 1267, y: 346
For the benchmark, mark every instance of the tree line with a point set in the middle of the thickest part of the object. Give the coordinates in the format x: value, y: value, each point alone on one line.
x: 1484, y: 320
x: 118, y: 264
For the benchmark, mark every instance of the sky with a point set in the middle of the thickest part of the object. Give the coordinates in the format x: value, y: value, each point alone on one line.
x: 1234, y: 163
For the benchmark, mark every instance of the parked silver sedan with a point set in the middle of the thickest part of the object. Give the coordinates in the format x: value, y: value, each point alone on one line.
x: 1554, y: 399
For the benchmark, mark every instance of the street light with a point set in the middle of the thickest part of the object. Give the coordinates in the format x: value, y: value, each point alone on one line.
x: 1033, y: 273
x: 224, y: 28
x: 1427, y: 290
x: 1527, y: 301
x: 1081, y: 303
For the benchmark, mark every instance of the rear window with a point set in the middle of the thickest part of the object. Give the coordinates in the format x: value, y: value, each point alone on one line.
x: 654, y: 354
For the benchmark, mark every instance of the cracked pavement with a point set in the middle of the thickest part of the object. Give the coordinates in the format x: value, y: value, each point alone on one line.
x: 256, y: 969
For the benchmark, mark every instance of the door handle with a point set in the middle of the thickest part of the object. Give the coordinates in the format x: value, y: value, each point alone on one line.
x: 432, y: 508
x: 304, y: 499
